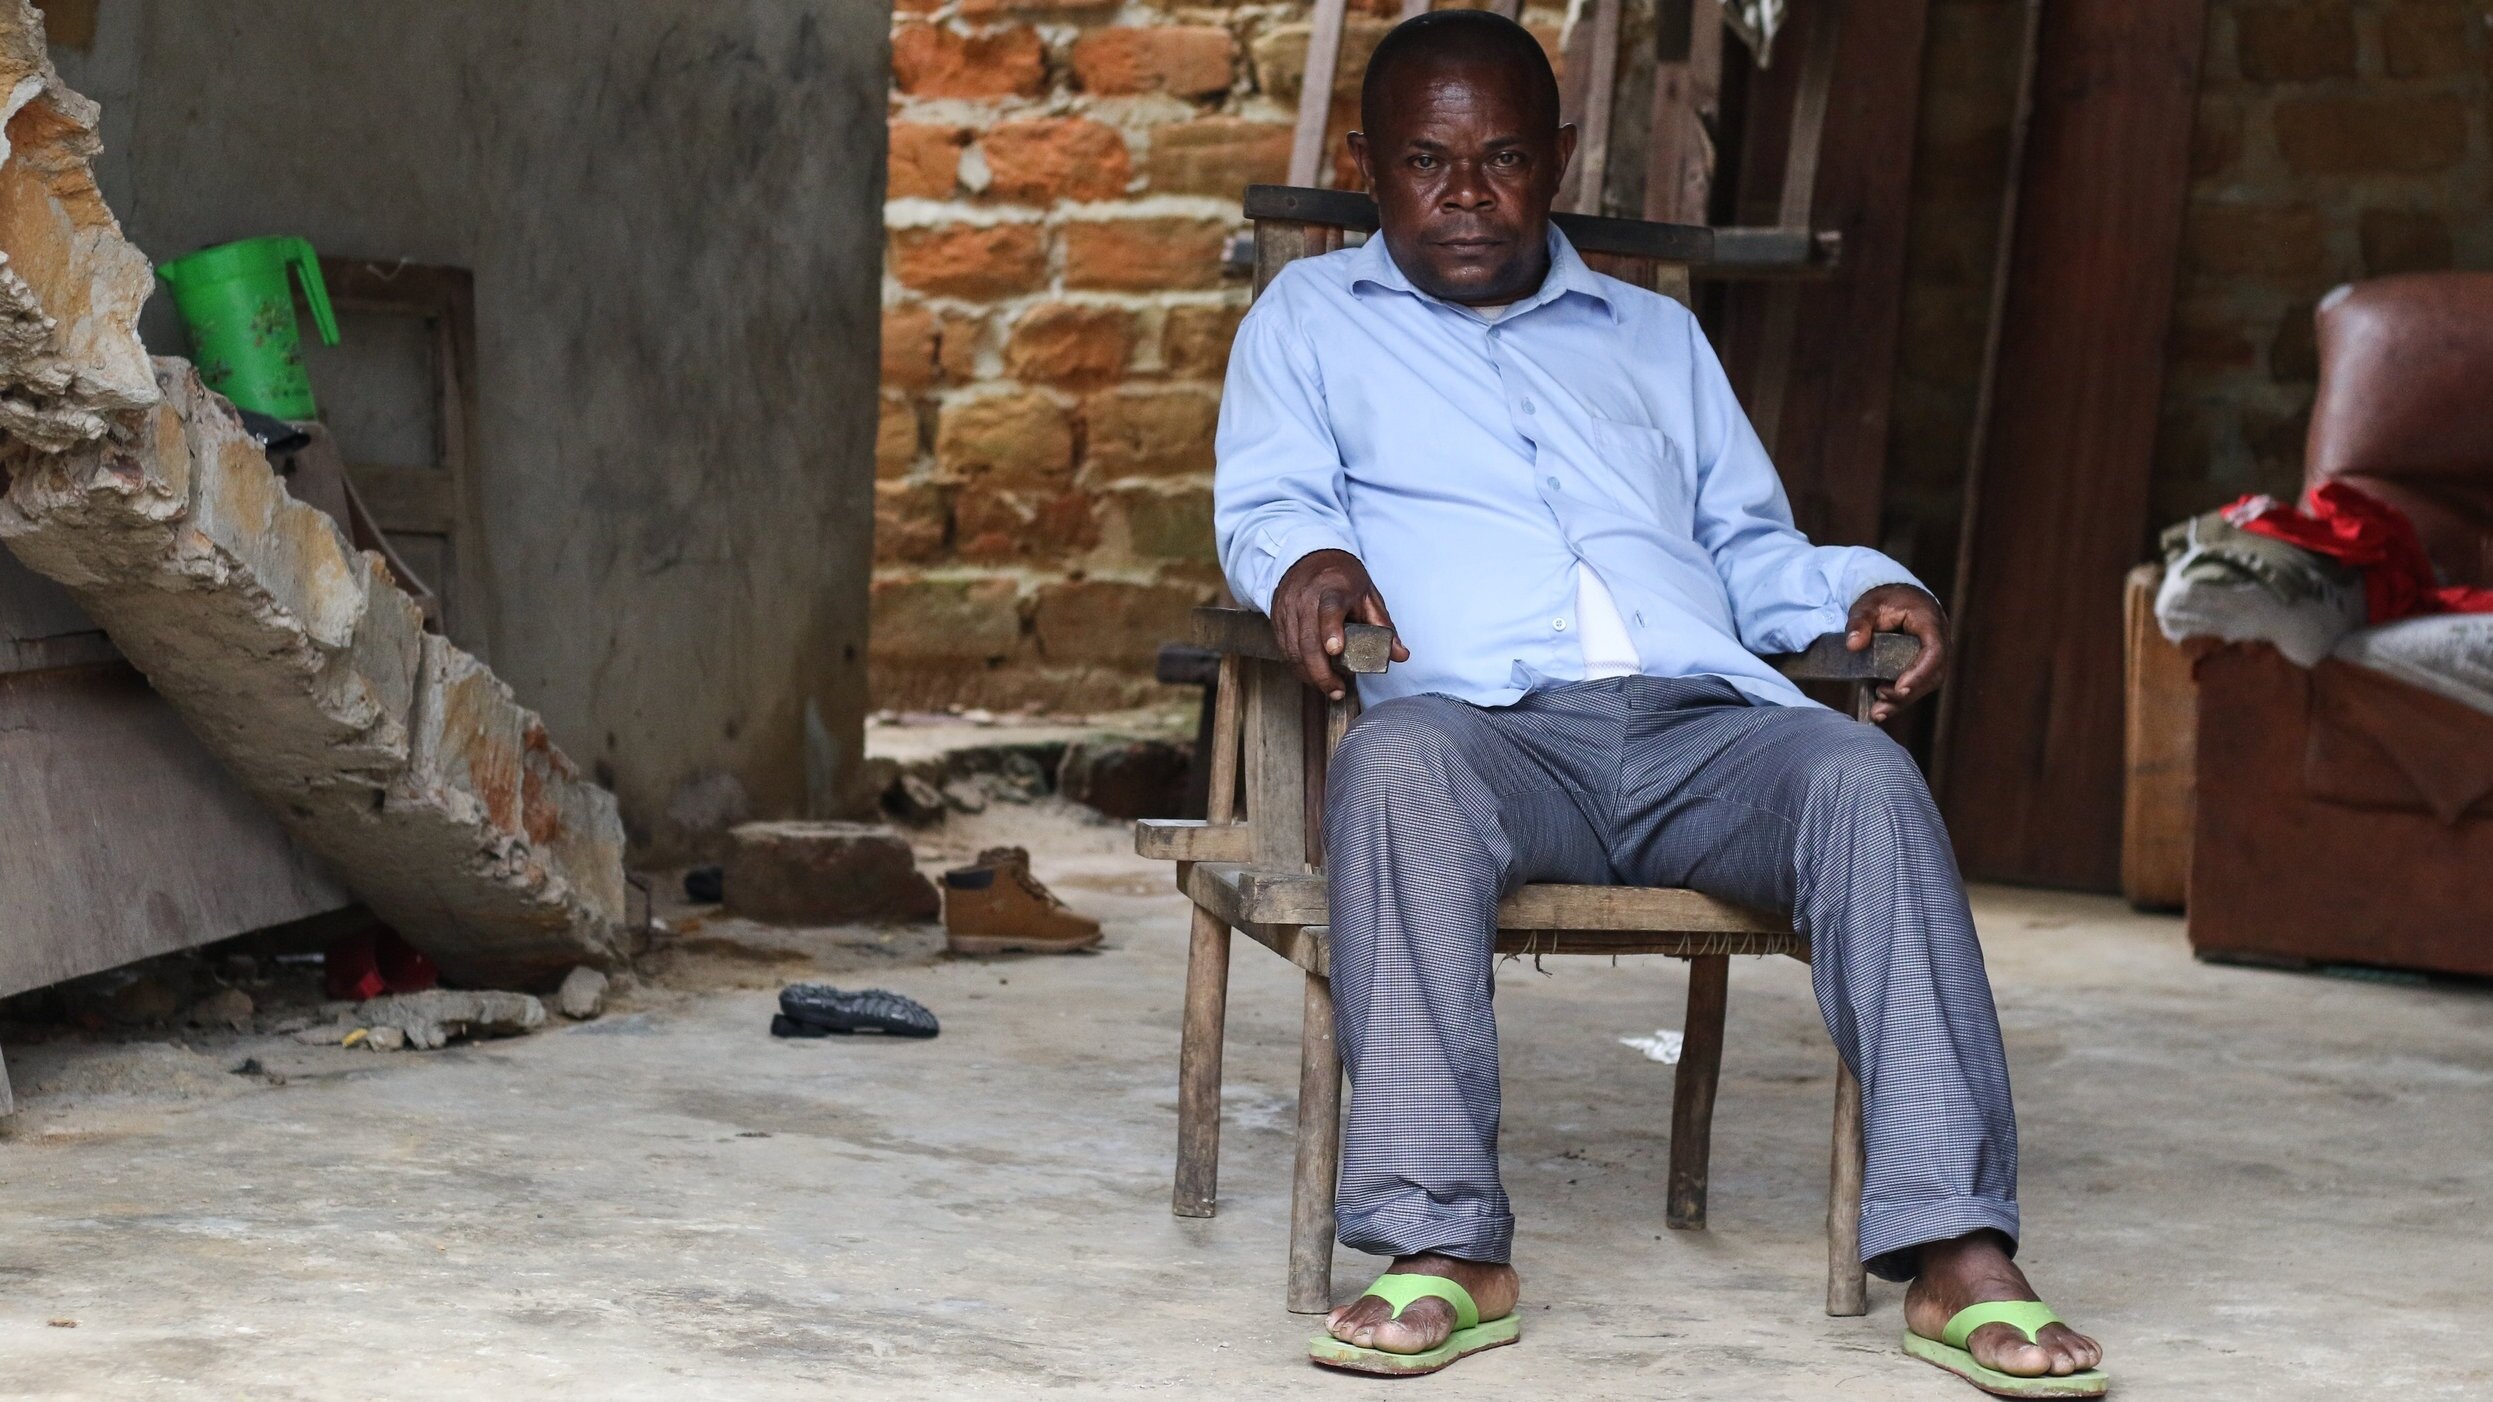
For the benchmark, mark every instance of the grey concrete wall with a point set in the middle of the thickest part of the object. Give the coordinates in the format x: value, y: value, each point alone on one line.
x: 673, y: 212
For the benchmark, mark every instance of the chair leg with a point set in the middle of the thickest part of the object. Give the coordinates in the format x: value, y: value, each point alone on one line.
x: 1319, y: 1153
x: 1692, y: 1091
x: 1197, y: 1192
x: 1847, y: 1283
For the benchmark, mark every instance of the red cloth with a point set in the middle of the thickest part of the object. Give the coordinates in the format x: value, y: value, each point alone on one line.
x: 2361, y: 530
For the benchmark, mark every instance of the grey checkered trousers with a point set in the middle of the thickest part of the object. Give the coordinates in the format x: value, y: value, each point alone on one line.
x: 1434, y: 808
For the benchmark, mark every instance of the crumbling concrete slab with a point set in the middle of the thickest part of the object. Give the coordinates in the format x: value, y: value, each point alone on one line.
x: 397, y: 758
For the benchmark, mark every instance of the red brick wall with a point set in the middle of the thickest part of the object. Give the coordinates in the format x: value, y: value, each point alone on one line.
x: 2335, y: 141
x: 1056, y: 322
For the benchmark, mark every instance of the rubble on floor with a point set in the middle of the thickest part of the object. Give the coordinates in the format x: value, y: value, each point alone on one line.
x: 804, y: 873
x: 396, y: 757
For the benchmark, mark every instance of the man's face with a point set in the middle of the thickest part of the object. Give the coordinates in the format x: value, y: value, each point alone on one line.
x: 1463, y: 171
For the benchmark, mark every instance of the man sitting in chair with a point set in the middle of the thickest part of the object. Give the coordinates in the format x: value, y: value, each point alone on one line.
x: 1585, y: 548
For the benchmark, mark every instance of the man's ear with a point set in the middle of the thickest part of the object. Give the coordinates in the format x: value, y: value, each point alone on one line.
x: 1566, y: 147
x: 1359, y: 153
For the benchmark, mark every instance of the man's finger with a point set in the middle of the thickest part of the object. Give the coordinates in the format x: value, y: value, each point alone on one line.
x: 1302, y: 646
x: 1919, y: 677
x: 1372, y: 610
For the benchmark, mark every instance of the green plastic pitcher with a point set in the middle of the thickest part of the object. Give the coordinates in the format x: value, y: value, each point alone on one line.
x: 240, y: 312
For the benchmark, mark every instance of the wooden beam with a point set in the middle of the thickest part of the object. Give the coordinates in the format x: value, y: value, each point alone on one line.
x: 1591, y: 94
x: 1687, y: 111
x: 2033, y: 776
x: 1366, y: 648
x: 1192, y: 840
x: 1828, y: 660
x: 1315, y: 96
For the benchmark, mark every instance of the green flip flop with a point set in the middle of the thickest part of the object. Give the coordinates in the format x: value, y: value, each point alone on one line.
x: 1470, y: 1335
x: 2025, y: 1316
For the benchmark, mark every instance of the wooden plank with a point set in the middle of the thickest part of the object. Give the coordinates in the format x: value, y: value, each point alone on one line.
x: 1315, y: 98
x: 1196, y: 1191
x: 1816, y: 32
x: 1228, y: 710
x: 1319, y: 1152
x: 122, y: 837
x: 1256, y: 895
x: 2160, y: 750
x: 1366, y: 648
x: 1687, y: 111
x: 1847, y: 1285
x: 1589, y: 96
x: 1275, y: 767
x: 1692, y: 1091
x: 2033, y: 775
x: 1828, y: 660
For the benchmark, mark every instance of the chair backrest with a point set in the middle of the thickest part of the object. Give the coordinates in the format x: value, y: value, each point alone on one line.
x: 2402, y: 410
x: 1293, y: 222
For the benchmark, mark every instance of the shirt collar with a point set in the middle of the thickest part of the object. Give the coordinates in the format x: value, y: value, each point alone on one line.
x: 1567, y: 273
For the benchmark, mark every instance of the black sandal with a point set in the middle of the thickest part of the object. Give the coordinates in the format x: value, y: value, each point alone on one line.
x: 814, y: 1009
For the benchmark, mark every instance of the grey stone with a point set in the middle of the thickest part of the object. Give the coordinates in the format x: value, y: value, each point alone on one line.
x: 913, y: 799
x: 434, y: 1017
x: 583, y: 994
x: 325, y: 1035
x: 804, y: 873
x: 385, y: 1039
x: 966, y: 796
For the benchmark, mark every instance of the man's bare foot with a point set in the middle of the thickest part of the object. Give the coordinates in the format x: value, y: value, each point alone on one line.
x: 1975, y: 1269
x: 1369, y: 1322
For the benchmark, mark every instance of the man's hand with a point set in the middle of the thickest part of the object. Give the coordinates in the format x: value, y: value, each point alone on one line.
x: 1309, y: 606
x: 1901, y: 608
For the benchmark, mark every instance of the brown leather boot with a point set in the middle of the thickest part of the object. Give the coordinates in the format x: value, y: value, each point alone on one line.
x: 997, y: 907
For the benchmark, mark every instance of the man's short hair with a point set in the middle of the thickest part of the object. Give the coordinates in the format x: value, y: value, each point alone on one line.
x: 1460, y: 36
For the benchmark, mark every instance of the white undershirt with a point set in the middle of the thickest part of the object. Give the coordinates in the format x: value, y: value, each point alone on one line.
x: 1599, y: 629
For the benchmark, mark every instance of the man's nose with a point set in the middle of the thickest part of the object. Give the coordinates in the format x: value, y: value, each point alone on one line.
x: 1469, y: 189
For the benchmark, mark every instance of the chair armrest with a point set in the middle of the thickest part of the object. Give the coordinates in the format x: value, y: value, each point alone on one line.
x: 1828, y: 660
x: 1366, y: 648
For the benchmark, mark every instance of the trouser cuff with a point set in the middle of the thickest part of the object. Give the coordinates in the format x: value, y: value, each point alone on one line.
x: 1470, y: 1236
x: 1893, y: 1233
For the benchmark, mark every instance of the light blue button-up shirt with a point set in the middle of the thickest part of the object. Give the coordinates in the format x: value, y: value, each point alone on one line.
x: 1474, y: 467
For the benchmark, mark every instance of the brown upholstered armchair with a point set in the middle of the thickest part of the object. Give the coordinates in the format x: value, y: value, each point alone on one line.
x: 2342, y: 815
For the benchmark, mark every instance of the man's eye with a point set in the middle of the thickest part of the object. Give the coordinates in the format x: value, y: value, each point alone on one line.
x: 1424, y: 162
x: 1508, y: 159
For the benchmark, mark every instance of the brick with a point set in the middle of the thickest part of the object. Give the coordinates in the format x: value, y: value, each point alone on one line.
x: 2241, y: 239
x: 982, y: 261
x: 933, y: 61
x: 908, y: 347
x: 1111, y: 623
x: 1006, y: 440
x: 1144, y: 255
x: 1154, y: 525
x: 958, y: 340
x: 1046, y: 159
x: 1280, y: 57
x: 967, y: 620
x: 2216, y: 135
x: 2426, y: 41
x: 2400, y: 134
x: 2404, y: 241
x: 895, y: 436
x: 2294, y: 43
x: 992, y: 527
x: 1071, y: 344
x: 1183, y: 60
x: 982, y: 9
x: 925, y: 161
x: 1217, y: 156
x: 912, y: 523
x: 1136, y: 431
x: 1194, y: 341
x: 825, y: 874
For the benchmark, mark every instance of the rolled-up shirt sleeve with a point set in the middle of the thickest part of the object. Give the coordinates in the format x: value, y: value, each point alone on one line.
x: 1785, y: 592
x: 1277, y: 483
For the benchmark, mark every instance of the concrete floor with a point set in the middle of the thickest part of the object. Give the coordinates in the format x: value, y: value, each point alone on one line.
x: 2251, y: 1185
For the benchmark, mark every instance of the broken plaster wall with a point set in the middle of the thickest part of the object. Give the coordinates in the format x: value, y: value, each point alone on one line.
x: 673, y: 213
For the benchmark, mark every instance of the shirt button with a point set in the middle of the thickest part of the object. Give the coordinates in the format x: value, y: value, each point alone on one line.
x: 1640, y: 620
x: 1553, y: 484
x: 1559, y: 623
x: 1527, y: 406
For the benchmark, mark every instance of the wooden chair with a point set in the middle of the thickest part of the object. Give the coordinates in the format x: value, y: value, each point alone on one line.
x: 1256, y: 867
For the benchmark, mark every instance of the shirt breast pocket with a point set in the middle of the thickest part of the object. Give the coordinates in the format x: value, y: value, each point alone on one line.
x: 1648, y: 463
